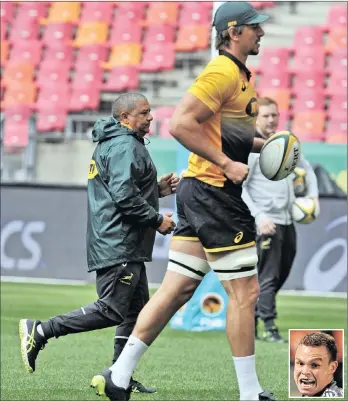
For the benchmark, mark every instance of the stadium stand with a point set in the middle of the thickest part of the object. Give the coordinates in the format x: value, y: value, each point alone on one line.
x: 83, y: 53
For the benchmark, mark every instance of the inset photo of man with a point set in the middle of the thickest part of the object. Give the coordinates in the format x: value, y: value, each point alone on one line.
x: 316, y: 363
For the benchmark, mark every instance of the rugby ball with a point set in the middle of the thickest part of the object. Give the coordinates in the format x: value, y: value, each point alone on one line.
x: 299, y: 181
x: 279, y: 155
x: 304, y: 210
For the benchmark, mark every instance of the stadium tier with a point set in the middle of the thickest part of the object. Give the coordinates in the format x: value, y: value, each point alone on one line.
x: 59, y: 58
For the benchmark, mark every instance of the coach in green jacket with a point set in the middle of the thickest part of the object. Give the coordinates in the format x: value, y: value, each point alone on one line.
x: 123, y: 218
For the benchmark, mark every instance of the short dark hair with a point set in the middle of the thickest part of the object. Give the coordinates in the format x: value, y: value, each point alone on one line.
x: 319, y: 339
x: 266, y: 101
x: 126, y: 102
x: 223, y: 38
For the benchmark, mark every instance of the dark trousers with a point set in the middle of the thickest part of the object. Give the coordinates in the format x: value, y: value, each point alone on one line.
x: 122, y: 291
x: 276, y: 254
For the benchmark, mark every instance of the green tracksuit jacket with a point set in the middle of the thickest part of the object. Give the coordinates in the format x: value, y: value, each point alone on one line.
x: 122, y: 198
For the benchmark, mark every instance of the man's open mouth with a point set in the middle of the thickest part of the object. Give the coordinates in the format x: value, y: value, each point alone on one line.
x: 307, y: 382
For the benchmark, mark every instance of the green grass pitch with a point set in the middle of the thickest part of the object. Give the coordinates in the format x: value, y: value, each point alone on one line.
x: 182, y: 365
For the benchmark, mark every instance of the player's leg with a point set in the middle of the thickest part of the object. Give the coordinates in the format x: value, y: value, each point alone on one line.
x: 109, y: 310
x: 269, y: 249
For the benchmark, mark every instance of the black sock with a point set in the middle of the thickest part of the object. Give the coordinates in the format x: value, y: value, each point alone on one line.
x: 269, y: 324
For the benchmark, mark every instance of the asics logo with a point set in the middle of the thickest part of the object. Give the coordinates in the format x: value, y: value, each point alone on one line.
x: 238, y: 237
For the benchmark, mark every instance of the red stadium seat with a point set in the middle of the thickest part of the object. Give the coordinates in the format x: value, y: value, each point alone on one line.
x: 308, y: 36
x: 125, y: 31
x: 122, y: 79
x: 337, y: 85
x: 58, y: 32
x: 27, y: 50
x: 61, y: 53
x: 16, y: 127
x: 337, y: 16
x: 87, y: 98
x: 273, y: 59
x: 336, y: 132
x: 337, y: 62
x: 162, y: 13
x: 88, y: 75
x: 6, y: 11
x: 308, y: 59
x: 97, y: 11
x: 53, y: 74
x: 54, y: 97
x: 32, y: 9
x: 192, y: 37
x: 51, y: 120
x: 131, y: 11
x: 309, y: 100
x: 162, y: 118
x: 91, y: 54
x: 278, y: 79
x: 309, y: 125
x: 24, y: 28
x: 159, y: 34
x: 158, y: 58
x: 308, y: 80
x: 192, y: 13
x: 337, y: 109
x: 337, y: 39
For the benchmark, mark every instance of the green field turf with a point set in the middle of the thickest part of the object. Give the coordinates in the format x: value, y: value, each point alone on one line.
x: 182, y: 365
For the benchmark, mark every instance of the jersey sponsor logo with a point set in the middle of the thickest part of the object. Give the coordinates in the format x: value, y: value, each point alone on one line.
x: 266, y: 244
x: 92, y: 171
x: 231, y: 23
x: 252, y: 108
x: 238, y: 237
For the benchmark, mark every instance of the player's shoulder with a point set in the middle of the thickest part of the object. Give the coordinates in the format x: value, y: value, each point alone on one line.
x: 221, y: 65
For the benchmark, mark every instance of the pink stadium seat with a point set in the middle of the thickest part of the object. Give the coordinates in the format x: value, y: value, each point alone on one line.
x: 51, y: 120
x: 308, y: 36
x: 53, y: 74
x: 91, y: 54
x: 337, y: 85
x: 24, y: 28
x: 61, y: 53
x: 97, y: 11
x: 59, y: 32
x: 84, y: 99
x: 162, y: 13
x: 27, y: 50
x: 6, y: 11
x: 131, y: 11
x: 54, y: 97
x: 192, y: 37
x: 336, y: 132
x: 16, y: 126
x: 19, y: 93
x: 308, y: 59
x: 273, y: 59
x: 158, y: 58
x: 337, y: 61
x: 309, y: 100
x: 121, y: 79
x: 192, y: 13
x: 163, y: 116
x: 159, y: 34
x: 32, y: 9
x: 337, y: 16
x: 88, y: 75
x: 4, y: 52
x: 125, y: 31
x: 337, y: 109
x: 308, y: 80
x: 337, y: 39
x: 284, y: 119
x: 278, y: 79
x: 281, y: 96
x: 309, y: 125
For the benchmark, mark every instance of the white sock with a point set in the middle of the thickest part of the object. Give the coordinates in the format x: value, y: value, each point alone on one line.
x: 40, y: 331
x: 249, y: 386
x: 123, y: 368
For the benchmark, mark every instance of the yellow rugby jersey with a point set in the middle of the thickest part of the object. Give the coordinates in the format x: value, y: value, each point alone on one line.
x: 224, y: 87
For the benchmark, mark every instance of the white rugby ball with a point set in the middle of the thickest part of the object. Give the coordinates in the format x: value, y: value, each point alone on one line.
x: 304, y: 210
x: 279, y: 155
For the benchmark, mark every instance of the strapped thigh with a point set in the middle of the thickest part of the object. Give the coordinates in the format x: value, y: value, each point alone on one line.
x: 188, y: 265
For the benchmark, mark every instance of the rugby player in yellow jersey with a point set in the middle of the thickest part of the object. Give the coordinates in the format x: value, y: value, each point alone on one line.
x: 216, y: 122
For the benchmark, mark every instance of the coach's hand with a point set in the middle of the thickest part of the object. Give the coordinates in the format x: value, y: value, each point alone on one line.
x: 168, y: 224
x: 266, y: 227
x: 237, y: 172
x: 167, y: 184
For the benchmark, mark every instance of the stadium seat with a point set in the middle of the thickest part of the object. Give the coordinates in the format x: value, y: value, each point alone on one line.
x: 88, y: 75
x: 60, y: 53
x: 278, y: 79
x: 337, y: 85
x: 6, y: 11
x: 308, y: 36
x: 19, y: 94
x: 308, y: 59
x: 51, y: 120
x: 158, y: 34
x: 162, y: 119
x: 91, y: 54
x: 337, y: 39
x: 162, y: 13
x: 24, y: 28
x: 309, y: 125
x: 125, y: 32
x: 336, y: 132
x: 31, y: 9
x: 337, y: 62
x: 4, y: 52
x: 20, y: 72
x: 58, y: 32
x: 131, y: 11
x: 16, y: 127
x: 310, y: 99
x: 158, y: 58
x: 308, y: 80
x: 280, y: 96
x: 63, y: 12
x: 53, y: 97
x: 53, y: 74
x: 87, y: 98
x: 337, y: 108
x: 273, y: 59
x: 192, y: 13
x: 122, y: 79
x: 284, y: 121
x: 97, y: 11
x: 91, y: 33
x: 27, y: 50
x: 337, y: 16
x: 122, y: 55
x: 192, y: 37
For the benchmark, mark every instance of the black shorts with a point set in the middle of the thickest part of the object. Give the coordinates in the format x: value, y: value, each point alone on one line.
x: 215, y: 216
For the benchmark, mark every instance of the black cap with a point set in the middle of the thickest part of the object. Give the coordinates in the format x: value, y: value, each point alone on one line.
x: 234, y: 13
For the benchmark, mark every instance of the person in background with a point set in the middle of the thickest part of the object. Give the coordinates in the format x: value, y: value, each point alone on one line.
x: 270, y: 203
